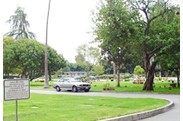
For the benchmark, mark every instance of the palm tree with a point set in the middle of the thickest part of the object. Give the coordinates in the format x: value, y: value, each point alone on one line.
x: 46, y: 84
x: 19, y: 25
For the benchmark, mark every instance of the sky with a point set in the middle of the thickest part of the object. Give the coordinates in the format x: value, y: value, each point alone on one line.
x: 70, y: 22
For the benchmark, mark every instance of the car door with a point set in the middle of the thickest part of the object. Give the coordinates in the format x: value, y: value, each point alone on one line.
x: 60, y: 83
x: 70, y: 84
x: 66, y: 84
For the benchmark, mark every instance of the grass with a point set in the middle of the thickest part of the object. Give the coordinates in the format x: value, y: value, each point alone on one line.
x: 160, y: 87
x: 76, y: 108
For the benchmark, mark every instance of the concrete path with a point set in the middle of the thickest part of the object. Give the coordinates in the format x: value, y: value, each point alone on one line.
x: 171, y: 115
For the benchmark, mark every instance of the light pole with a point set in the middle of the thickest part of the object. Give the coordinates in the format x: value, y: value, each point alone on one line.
x: 46, y: 84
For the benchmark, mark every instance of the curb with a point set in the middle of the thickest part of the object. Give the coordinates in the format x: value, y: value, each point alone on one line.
x: 142, y: 115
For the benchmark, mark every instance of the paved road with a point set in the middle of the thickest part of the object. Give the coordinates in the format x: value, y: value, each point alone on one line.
x: 171, y: 115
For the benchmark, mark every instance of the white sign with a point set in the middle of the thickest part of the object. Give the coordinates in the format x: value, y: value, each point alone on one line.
x: 16, y: 89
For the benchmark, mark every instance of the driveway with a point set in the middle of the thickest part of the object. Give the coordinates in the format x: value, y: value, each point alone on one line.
x: 171, y: 115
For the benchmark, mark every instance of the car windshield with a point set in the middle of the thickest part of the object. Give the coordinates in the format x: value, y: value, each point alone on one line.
x: 75, y: 80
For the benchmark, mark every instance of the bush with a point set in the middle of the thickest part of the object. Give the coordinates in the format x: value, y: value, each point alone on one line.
x: 138, y: 70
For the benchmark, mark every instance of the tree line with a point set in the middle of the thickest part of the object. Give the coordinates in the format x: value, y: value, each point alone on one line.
x: 25, y: 57
x: 129, y: 33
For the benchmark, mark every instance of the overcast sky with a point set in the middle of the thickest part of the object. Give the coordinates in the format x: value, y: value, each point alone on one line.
x: 69, y: 26
x: 70, y: 22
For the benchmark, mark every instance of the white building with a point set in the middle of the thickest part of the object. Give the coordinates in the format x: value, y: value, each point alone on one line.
x: 72, y: 73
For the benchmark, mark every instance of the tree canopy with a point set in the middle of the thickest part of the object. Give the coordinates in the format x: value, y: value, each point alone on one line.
x: 86, y: 57
x: 156, y: 18
x: 27, y: 56
x: 169, y: 57
x: 149, y: 26
x: 114, y: 29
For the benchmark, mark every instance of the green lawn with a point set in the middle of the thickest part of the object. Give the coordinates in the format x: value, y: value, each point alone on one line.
x: 160, y: 87
x: 76, y: 108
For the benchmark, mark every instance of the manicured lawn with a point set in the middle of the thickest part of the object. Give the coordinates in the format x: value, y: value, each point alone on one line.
x: 159, y: 87
x: 76, y: 108
x: 39, y: 84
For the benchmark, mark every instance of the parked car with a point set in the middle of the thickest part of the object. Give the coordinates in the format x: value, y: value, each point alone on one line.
x: 73, y: 84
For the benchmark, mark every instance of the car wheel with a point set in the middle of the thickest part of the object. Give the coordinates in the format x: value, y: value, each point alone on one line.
x: 58, y: 89
x: 74, y: 89
x: 86, y: 90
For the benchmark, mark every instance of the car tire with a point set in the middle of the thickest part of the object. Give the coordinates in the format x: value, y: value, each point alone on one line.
x: 74, y: 89
x: 87, y: 90
x: 58, y: 89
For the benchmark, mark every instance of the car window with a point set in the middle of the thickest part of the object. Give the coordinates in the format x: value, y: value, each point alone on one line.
x: 61, y: 80
x: 75, y: 80
x: 65, y: 80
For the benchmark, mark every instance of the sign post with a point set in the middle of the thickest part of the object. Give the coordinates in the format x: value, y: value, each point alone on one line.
x: 16, y: 89
x: 16, y: 107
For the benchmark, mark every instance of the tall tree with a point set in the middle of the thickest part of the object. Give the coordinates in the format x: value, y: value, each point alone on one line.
x: 87, y: 56
x: 46, y: 83
x: 94, y: 55
x: 114, y: 29
x: 27, y: 56
x: 152, y: 38
x: 170, y: 57
x: 19, y: 25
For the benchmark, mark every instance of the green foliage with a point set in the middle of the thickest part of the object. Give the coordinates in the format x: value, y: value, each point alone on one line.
x: 7, y: 40
x: 6, y: 61
x: 55, y: 61
x: 114, y: 31
x: 27, y: 56
x: 97, y: 69
x: 138, y: 70
x: 170, y: 57
x: 157, y: 31
x: 87, y: 57
x: 85, y: 53
x: 80, y: 59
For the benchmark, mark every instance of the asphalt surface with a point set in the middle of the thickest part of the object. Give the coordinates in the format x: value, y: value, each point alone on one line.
x: 171, y: 115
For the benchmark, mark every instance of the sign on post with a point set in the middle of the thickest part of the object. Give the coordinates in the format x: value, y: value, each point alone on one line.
x: 16, y: 89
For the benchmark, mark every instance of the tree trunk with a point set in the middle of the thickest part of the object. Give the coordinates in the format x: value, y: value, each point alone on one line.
x: 178, y: 79
x: 49, y: 72
x: 146, y: 63
x: 118, y: 76
x: 23, y: 75
x: 30, y: 75
x: 148, y: 86
x: 114, y: 70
